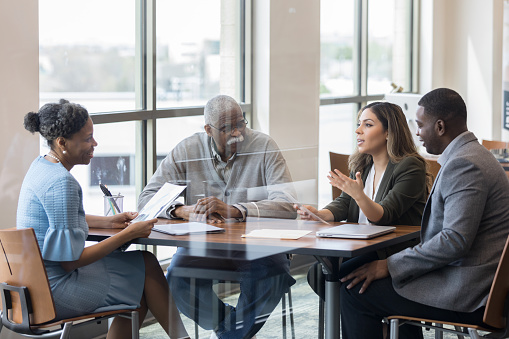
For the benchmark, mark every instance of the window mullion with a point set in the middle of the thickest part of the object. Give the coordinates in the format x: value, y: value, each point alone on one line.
x: 414, y: 46
x: 363, y: 47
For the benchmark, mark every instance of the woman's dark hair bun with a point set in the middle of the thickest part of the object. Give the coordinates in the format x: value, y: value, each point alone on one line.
x: 32, y: 122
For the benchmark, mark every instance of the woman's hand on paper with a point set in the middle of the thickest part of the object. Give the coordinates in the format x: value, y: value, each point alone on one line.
x: 141, y: 229
x: 122, y: 220
x: 354, y: 188
x: 304, y: 215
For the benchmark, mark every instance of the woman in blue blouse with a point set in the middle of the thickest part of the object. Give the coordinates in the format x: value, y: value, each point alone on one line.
x: 99, y: 277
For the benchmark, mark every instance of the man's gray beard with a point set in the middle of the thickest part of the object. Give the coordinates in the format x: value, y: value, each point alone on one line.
x: 232, y: 140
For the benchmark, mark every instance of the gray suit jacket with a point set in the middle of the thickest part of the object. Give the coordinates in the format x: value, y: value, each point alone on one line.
x: 464, y: 228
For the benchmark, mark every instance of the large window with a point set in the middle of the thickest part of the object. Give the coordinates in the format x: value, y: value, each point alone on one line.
x: 88, y: 58
x: 337, y: 48
x: 143, y: 69
x: 366, y: 47
x: 389, y: 45
x: 188, y: 56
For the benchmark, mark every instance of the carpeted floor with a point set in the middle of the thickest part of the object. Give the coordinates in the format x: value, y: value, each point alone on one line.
x: 305, y: 308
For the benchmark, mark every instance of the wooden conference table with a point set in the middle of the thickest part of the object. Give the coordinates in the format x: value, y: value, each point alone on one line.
x: 326, y: 250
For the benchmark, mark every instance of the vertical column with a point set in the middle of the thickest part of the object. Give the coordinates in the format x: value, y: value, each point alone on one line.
x: 19, y: 88
x: 461, y: 48
x: 286, y: 99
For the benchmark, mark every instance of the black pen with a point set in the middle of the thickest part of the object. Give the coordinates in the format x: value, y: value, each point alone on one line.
x: 107, y: 193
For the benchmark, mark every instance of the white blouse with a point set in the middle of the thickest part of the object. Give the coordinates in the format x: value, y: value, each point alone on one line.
x: 368, y: 190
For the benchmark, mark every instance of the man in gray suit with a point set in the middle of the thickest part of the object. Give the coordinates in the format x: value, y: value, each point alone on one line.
x: 465, y: 224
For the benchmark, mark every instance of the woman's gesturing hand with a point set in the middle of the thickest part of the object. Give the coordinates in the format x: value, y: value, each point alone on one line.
x: 354, y: 188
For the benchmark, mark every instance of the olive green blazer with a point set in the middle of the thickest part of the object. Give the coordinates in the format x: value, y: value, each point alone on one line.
x: 402, y: 194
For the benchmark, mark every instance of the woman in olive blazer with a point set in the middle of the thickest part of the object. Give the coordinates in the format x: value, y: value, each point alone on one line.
x: 401, y: 194
x: 388, y: 184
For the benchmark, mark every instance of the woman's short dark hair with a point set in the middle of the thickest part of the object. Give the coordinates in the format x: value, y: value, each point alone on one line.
x: 62, y: 119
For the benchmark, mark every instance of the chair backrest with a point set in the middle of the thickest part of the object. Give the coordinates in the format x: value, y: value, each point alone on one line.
x: 494, y: 144
x: 340, y: 162
x: 494, y: 313
x: 433, y: 167
x: 21, y: 264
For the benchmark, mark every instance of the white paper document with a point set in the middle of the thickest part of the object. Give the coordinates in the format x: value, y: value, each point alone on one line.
x: 160, y: 201
x: 276, y: 234
x: 187, y: 228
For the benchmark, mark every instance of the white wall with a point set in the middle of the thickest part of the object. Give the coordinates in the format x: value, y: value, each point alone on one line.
x: 19, y: 94
x: 286, y: 83
x: 461, y: 48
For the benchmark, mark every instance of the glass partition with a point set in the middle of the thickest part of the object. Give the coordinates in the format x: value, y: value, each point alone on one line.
x: 112, y: 165
x: 337, y: 134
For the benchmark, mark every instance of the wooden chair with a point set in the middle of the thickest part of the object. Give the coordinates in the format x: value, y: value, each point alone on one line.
x: 27, y: 303
x: 496, y: 315
x: 340, y: 162
x: 494, y: 144
x: 497, y: 145
x: 433, y: 167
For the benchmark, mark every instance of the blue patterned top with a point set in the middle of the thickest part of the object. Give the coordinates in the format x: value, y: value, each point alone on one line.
x: 51, y: 202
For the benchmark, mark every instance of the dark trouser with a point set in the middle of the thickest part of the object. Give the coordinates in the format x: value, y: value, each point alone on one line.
x: 316, y: 277
x: 362, y: 314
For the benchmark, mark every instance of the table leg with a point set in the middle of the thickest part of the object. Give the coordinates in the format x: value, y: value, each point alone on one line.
x: 331, y: 267
x: 332, y: 309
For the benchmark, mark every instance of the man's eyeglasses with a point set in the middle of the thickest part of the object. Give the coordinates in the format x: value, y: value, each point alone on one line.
x: 228, y: 129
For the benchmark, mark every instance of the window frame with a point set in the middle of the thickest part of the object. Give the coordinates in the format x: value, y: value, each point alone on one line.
x: 147, y: 114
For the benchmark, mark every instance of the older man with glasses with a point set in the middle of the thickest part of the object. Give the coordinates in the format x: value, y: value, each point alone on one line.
x: 232, y: 172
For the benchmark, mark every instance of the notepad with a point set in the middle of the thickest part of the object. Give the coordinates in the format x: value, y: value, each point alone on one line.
x: 187, y: 228
x: 276, y: 234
